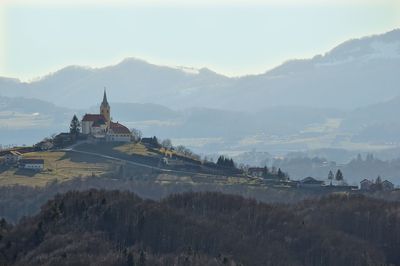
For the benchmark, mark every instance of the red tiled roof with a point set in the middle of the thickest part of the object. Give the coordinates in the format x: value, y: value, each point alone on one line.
x: 93, y: 117
x: 118, y: 128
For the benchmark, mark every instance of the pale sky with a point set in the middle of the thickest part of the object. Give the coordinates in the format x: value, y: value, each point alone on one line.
x: 230, y: 37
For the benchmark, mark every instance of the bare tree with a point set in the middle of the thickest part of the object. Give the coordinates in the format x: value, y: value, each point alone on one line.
x: 136, y: 134
x: 166, y: 144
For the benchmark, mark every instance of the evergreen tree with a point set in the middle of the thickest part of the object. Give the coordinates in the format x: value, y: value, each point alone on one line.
x: 220, y: 160
x: 265, y: 171
x: 142, y: 258
x: 330, y: 176
x: 378, y: 183
x: 130, y: 261
x: 75, y: 127
x: 225, y: 162
x: 281, y: 175
x: 339, y: 175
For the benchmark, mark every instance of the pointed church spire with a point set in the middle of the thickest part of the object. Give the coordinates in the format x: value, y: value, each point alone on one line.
x: 105, y: 96
x: 105, y: 108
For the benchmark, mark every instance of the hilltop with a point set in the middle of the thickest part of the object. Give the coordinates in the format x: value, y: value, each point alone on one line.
x: 122, y: 161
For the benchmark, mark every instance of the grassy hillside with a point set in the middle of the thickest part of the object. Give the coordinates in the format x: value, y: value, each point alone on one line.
x: 135, y: 151
x: 62, y: 166
x: 138, y: 153
x: 87, y: 161
x: 131, y: 148
x: 59, y: 166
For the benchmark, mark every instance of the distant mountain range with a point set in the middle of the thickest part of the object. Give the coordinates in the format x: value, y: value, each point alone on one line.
x: 356, y: 73
x: 348, y: 98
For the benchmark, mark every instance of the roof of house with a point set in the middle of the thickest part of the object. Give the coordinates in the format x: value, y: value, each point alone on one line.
x: 31, y: 161
x: 366, y: 180
x: 311, y: 180
x: 387, y: 182
x: 118, y: 128
x: 15, y: 153
x: 146, y: 139
x: 256, y: 169
x: 151, y: 141
x: 93, y: 117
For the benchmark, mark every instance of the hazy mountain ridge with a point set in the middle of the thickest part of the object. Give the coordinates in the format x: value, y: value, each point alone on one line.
x: 353, y: 74
x: 131, y: 80
x: 376, y: 123
x: 356, y: 73
x: 344, y: 99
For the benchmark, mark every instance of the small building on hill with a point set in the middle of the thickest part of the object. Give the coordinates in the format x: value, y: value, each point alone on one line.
x: 11, y: 157
x: 387, y: 185
x: 99, y: 127
x: 366, y: 184
x: 256, y: 171
x: 151, y: 142
x: 32, y: 164
x: 310, y: 182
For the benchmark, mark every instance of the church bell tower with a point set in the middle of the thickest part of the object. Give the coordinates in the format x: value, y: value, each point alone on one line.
x: 105, y: 109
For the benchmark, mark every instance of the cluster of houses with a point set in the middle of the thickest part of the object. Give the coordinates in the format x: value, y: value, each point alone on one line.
x: 370, y: 185
x: 313, y: 183
x: 15, y: 158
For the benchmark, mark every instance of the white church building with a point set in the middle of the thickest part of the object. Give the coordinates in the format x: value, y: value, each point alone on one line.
x: 100, y: 127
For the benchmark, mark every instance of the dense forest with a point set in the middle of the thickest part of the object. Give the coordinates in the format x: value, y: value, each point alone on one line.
x: 98, y: 227
x: 18, y: 201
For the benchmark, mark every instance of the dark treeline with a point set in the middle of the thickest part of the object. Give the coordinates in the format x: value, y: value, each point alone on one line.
x: 18, y: 201
x: 119, y: 228
x: 225, y: 162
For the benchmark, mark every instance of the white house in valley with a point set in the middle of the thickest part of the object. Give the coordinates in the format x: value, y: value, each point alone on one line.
x: 100, y: 127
